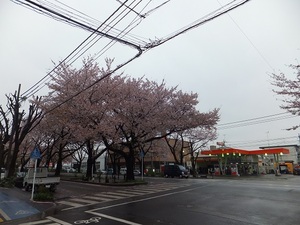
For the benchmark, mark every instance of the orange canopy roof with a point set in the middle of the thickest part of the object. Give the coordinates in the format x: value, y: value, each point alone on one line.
x: 246, y: 152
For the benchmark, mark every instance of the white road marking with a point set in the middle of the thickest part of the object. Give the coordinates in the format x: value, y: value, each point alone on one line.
x: 70, y: 203
x: 127, y: 194
x: 58, y: 221
x: 115, y: 218
x: 37, y: 222
x: 119, y: 194
x: 48, y: 221
x: 135, y: 192
x: 5, y: 216
x: 98, y: 198
x: 108, y: 196
x: 84, y: 200
x: 145, y: 199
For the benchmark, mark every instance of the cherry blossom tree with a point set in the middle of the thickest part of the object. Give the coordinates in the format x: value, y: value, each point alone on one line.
x: 197, y: 140
x: 289, y: 90
x: 15, y: 125
x: 146, y: 111
x: 79, y: 101
x: 187, y: 142
x: 55, y: 141
x: 122, y: 112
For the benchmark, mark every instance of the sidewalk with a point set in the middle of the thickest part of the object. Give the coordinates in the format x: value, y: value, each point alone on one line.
x: 258, y: 177
x: 16, y: 206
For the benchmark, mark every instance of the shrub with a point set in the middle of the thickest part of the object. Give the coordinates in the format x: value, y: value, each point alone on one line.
x: 43, y: 194
x: 7, y: 182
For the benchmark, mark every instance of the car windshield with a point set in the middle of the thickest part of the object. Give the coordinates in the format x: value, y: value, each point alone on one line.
x: 182, y: 167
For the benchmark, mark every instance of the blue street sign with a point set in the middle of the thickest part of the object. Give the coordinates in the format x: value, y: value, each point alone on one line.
x: 142, y: 154
x: 35, y: 154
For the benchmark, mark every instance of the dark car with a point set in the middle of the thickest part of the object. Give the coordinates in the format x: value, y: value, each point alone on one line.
x: 296, y: 170
x: 175, y: 170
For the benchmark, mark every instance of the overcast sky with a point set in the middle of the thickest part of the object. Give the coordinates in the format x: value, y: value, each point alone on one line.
x: 227, y: 61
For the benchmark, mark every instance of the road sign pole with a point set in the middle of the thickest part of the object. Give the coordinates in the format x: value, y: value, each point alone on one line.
x: 33, y: 182
x: 142, y: 158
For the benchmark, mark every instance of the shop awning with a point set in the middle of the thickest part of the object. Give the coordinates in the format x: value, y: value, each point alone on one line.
x: 246, y: 152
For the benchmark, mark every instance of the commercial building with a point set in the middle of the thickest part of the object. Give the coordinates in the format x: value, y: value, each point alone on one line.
x: 236, y: 162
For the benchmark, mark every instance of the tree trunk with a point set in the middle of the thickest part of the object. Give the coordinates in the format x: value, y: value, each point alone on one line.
x: 89, y: 169
x: 59, y: 163
x: 130, y: 160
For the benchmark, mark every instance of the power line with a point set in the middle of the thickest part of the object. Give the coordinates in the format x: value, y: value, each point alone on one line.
x: 35, y: 88
x: 263, y: 142
x: 50, y: 12
x: 211, y: 16
x: 255, y: 121
x: 257, y: 118
x: 246, y: 36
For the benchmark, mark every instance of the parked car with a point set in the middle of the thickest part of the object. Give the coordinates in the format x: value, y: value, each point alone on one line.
x: 102, y: 172
x: 123, y: 171
x: 2, y: 173
x: 68, y: 169
x: 296, y: 170
x: 175, y: 170
x: 136, y: 172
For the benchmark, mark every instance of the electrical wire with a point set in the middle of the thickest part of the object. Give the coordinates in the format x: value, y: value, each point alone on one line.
x: 88, y: 22
x: 249, y: 40
x: 255, y: 121
x: 147, y: 46
x: 211, y: 16
x: 293, y: 140
x: 56, y: 14
x: 38, y: 86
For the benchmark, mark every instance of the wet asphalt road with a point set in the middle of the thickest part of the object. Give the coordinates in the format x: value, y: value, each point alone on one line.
x: 201, y: 201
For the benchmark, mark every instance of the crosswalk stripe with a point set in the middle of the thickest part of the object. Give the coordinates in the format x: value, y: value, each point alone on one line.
x: 156, y: 189
x: 134, y: 192
x: 110, y: 196
x: 121, y: 194
x: 70, y: 203
x: 84, y: 200
x: 99, y: 198
x: 138, y: 192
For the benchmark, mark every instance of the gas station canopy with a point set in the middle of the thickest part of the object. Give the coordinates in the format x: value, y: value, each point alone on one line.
x: 245, y: 152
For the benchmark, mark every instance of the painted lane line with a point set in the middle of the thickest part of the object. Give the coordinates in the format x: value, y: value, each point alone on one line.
x: 115, y: 218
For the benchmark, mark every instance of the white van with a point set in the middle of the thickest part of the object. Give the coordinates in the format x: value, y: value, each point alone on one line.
x: 123, y: 171
x: 2, y: 173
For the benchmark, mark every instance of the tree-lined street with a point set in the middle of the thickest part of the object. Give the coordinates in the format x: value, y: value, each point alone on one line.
x: 258, y: 201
